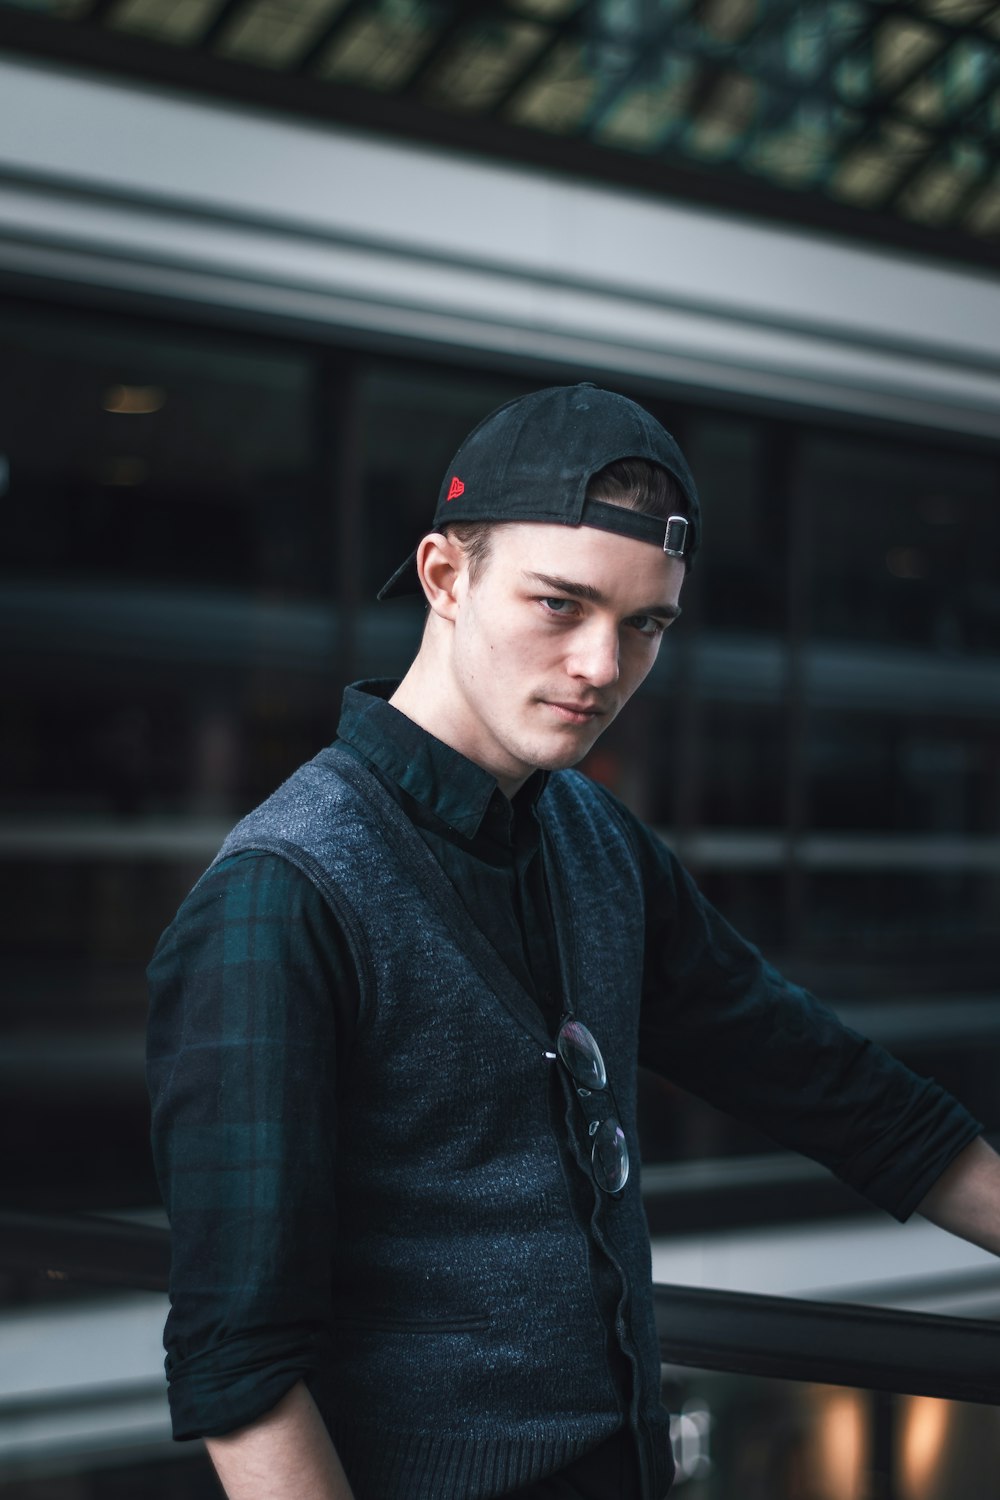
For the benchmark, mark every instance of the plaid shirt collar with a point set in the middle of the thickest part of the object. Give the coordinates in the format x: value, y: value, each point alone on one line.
x: 445, y: 782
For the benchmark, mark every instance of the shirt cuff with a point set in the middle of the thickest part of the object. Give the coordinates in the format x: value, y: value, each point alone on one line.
x: 896, y: 1171
x: 227, y: 1387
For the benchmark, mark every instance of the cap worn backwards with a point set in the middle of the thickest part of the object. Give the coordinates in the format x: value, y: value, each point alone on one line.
x: 532, y: 459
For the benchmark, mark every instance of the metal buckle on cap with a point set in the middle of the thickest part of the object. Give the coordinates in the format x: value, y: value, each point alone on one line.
x: 675, y: 536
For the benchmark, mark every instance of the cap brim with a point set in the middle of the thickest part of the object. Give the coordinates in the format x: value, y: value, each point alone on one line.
x: 404, y: 581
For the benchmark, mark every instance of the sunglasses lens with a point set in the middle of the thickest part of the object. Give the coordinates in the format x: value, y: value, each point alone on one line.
x: 610, y: 1157
x: 581, y: 1055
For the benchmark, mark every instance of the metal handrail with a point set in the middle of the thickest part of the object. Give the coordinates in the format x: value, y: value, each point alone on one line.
x: 833, y: 1343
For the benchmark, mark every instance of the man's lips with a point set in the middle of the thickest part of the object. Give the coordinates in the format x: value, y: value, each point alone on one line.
x: 575, y: 713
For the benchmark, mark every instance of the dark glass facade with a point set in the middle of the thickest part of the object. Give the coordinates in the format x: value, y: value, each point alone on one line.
x: 197, y: 521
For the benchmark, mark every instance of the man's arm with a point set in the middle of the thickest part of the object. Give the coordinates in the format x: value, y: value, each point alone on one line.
x: 721, y: 1022
x: 285, y: 1455
x: 966, y: 1197
x: 251, y: 1007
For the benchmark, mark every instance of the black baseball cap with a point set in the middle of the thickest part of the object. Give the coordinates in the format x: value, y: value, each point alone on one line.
x: 532, y: 459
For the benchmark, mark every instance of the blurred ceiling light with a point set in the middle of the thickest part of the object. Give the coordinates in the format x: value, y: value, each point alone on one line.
x: 906, y: 562
x: 123, y: 473
x: 925, y: 1429
x: 841, y: 1442
x: 134, y: 400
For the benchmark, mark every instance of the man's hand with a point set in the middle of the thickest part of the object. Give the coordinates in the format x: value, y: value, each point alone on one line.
x: 966, y: 1197
x: 285, y: 1455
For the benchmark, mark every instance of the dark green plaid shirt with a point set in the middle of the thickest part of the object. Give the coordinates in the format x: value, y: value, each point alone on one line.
x: 254, y: 1001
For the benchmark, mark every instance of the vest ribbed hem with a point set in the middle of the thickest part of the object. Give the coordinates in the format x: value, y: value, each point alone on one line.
x: 420, y: 1466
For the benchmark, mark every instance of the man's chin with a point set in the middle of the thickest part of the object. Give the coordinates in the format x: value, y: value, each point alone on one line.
x: 562, y: 757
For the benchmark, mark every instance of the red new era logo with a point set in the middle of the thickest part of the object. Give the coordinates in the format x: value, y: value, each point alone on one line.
x: 455, y: 489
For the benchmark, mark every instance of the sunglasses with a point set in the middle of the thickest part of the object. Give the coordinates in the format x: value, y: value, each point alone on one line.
x: 581, y: 1057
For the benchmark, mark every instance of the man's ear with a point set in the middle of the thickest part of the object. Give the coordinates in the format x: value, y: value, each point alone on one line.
x: 441, y: 564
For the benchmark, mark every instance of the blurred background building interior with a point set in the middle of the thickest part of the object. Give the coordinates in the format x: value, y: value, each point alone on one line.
x: 262, y: 264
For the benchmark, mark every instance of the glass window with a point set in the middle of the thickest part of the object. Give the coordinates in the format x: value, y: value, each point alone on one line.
x: 149, y: 456
x: 740, y: 577
x: 900, y: 711
x: 166, y: 592
x: 903, y: 541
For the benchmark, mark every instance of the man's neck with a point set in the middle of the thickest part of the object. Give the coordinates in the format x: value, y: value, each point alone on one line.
x: 422, y: 696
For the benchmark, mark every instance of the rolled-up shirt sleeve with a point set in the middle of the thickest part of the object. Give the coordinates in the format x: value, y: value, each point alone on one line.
x: 724, y: 1024
x: 253, y: 995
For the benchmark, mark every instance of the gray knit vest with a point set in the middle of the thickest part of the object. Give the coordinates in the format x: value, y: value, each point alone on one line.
x: 492, y: 1316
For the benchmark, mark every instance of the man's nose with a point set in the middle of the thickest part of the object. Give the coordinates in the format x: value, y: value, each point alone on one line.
x: 595, y: 655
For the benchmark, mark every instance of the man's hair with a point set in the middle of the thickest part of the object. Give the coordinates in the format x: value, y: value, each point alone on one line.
x: 637, y: 484
x: 632, y: 483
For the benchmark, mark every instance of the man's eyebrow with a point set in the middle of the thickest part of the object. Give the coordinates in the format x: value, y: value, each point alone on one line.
x: 594, y: 596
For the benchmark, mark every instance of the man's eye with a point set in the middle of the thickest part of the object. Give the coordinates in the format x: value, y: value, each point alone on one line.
x: 647, y: 624
x: 558, y: 606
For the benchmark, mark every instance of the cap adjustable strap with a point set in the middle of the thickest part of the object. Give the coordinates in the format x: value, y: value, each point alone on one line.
x: 671, y: 535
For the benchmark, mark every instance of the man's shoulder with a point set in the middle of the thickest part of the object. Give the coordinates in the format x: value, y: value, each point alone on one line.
x: 302, y: 803
x: 574, y: 788
x: 574, y: 791
x: 577, y: 801
x: 251, y: 880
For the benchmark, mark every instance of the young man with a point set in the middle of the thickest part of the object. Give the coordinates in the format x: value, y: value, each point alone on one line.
x: 395, y: 1029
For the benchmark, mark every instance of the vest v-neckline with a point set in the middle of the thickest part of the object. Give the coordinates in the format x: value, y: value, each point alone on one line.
x: 434, y: 884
